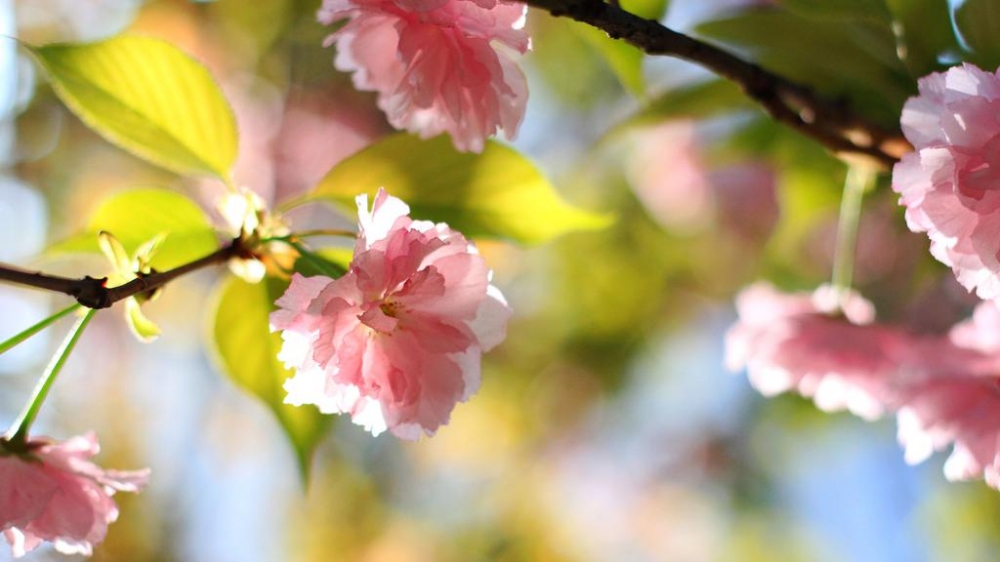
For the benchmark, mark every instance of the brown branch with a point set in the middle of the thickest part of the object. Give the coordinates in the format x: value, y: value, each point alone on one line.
x: 94, y: 293
x: 796, y: 105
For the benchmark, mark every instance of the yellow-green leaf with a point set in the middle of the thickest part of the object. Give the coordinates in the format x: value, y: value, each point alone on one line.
x: 248, y: 354
x: 115, y: 252
x: 137, y: 216
x: 649, y: 9
x: 498, y: 193
x: 142, y: 328
x: 624, y: 60
x: 149, y: 98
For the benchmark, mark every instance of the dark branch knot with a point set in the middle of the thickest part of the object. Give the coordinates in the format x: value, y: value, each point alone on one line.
x: 92, y: 293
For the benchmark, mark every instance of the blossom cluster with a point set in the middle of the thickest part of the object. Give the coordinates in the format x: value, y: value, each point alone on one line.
x: 944, y: 390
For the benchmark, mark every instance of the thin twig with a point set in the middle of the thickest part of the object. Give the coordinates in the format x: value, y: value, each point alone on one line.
x: 796, y: 105
x: 94, y: 293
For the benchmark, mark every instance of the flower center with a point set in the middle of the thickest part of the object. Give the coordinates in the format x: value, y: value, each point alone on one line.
x: 390, y: 308
x: 382, y: 317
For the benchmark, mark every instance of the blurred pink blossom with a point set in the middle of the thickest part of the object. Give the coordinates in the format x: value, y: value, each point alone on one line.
x: 397, y: 341
x: 437, y: 65
x: 956, y: 399
x: 945, y: 390
x: 951, y: 184
x: 684, y: 194
x: 54, y: 493
x: 746, y: 198
x: 982, y: 331
x: 667, y: 175
x: 799, y: 342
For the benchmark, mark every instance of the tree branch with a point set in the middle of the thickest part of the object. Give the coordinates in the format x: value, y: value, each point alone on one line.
x: 94, y: 293
x: 796, y: 105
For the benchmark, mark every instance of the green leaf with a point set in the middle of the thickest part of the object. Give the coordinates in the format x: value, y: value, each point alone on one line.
x: 691, y: 101
x: 649, y: 9
x: 844, y: 10
x: 116, y: 253
x: 136, y: 216
x: 149, y: 98
x: 624, y: 60
x: 857, y: 62
x: 144, y: 329
x: 331, y: 263
x: 248, y: 354
x: 568, y: 69
x: 339, y: 256
x: 498, y: 193
x: 924, y: 32
x: 979, y: 23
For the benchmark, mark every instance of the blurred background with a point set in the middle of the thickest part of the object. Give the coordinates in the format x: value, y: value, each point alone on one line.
x: 606, y: 428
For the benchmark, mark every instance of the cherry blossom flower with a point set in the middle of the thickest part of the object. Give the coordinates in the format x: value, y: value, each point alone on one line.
x: 668, y: 176
x: 746, y: 198
x: 437, y: 65
x: 945, y: 390
x: 956, y: 399
x: 52, y: 492
x: 683, y: 193
x: 982, y: 331
x: 951, y: 184
x: 959, y: 410
x: 797, y: 342
x: 396, y: 342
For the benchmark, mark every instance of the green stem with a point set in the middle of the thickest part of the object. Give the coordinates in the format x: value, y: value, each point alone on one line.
x: 19, y: 431
x: 860, y: 178
x: 5, y: 346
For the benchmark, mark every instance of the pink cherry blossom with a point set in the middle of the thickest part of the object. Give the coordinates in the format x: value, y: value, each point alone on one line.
x: 951, y: 184
x: 672, y: 179
x: 668, y: 176
x: 801, y: 342
x: 945, y: 390
x: 437, y: 65
x: 52, y: 492
x: 982, y: 331
x: 396, y: 342
x: 956, y: 399
x: 959, y: 410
